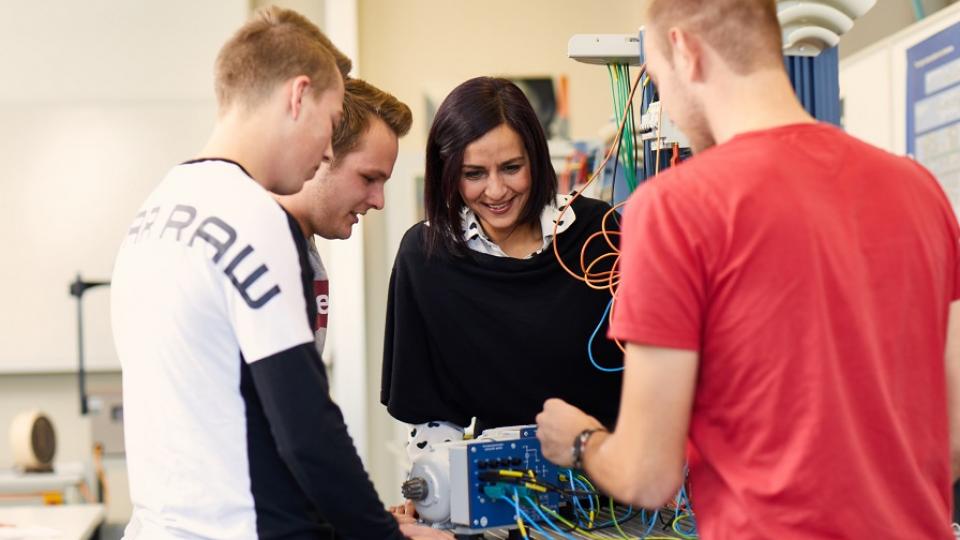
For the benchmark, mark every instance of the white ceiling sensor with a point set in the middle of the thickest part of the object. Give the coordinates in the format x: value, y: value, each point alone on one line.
x: 810, y: 26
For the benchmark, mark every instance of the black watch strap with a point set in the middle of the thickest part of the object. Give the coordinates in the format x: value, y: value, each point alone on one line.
x: 579, y: 444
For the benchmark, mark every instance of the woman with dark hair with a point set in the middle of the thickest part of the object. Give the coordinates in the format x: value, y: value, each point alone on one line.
x: 481, y: 319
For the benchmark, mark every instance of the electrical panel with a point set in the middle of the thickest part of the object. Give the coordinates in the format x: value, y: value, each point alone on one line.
x: 469, y: 486
x: 485, y: 473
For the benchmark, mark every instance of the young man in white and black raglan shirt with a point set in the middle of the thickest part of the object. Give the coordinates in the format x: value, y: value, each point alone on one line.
x: 230, y: 429
x: 365, y: 145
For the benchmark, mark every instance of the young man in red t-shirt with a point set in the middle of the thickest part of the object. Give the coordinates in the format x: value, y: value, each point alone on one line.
x: 788, y: 306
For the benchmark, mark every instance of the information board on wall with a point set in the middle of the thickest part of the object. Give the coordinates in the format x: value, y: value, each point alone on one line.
x: 933, y: 108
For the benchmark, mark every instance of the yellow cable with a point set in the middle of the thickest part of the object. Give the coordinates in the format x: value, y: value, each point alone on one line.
x: 592, y: 488
x: 523, y: 530
x: 563, y: 520
x: 677, y: 520
x: 613, y: 516
x: 534, y: 487
x: 596, y: 498
x: 592, y: 536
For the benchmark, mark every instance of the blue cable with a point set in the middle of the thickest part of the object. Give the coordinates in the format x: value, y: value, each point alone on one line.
x: 625, y: 516
x: 523, y: 515
x: 583, y: 486
x: 619, y: 519
x: 576, y: 500
x: 546, y: 519
x: 593, y: 511
x: 653, y: 521
x: 691, y: 523
x: 593, y: 336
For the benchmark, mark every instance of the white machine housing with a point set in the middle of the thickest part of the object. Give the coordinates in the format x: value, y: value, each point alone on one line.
x: 444, y: 468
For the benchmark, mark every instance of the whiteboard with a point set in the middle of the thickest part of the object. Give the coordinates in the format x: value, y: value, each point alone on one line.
x: 71, y: 178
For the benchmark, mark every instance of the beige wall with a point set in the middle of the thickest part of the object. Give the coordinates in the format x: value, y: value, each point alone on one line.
x: 413, y: 46
x: 886, y: 18
x: 311, y: 9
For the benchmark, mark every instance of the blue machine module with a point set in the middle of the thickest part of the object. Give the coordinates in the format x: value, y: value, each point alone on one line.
x: 485, y: 471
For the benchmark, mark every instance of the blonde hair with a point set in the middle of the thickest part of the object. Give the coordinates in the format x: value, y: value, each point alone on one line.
x: 746, y: 33
x: 273, y: 46
x: 362, y: 102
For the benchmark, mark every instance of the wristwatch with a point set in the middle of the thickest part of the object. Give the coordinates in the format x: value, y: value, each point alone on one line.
x: 579, y: 444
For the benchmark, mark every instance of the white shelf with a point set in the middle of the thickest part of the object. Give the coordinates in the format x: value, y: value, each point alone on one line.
x: 70, y: 522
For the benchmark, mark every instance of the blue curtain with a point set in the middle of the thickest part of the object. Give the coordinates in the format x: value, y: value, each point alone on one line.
x: 816, y: 80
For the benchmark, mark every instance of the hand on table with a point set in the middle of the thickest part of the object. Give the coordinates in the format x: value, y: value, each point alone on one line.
x: 422, y: 532
x: 404, y: 513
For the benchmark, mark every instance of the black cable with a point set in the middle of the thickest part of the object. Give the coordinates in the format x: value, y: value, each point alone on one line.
x: 494, y: 476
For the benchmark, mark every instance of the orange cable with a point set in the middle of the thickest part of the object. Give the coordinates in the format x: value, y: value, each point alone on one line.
x: 593, y: 177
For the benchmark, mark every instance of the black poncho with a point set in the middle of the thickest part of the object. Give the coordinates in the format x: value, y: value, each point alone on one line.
x: 493, y: 337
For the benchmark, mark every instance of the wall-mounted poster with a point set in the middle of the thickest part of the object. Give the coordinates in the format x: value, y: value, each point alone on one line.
x: 933, y: 108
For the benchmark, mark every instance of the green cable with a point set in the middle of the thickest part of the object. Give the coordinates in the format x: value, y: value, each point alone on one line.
x: 613, y: 91
x: 632, y: 134
x: 568, y: 523
x: 613, y: 516
x: 682, y: 534
x: 619, y: 75
x: 616, y: 89
x: 627, y: 135
x: 626, y: 151
x: 624, y: 144
x: 596, y: 497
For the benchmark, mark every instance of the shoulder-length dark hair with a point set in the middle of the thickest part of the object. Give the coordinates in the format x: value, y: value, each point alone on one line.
x: 468, y: 113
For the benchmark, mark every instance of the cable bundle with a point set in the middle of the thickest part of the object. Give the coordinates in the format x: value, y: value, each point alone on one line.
x: 626, y: 143
x: 583, y: 495
x: 588, y: 272
x: 586, y: 505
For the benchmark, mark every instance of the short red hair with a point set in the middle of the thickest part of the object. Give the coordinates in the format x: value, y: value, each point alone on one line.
x: 746, y: 33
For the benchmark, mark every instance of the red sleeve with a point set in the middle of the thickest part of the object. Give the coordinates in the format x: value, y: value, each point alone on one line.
x: 662, y: 296
x: 953, y: 229
x: 956, y: 257
x: 956, y: 282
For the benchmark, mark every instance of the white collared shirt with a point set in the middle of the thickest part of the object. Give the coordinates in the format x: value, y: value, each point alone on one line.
x: 478, y: 241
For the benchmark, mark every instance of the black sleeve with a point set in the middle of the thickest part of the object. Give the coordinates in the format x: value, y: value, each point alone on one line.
x: 312, y: 440
x: 410, y: 383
